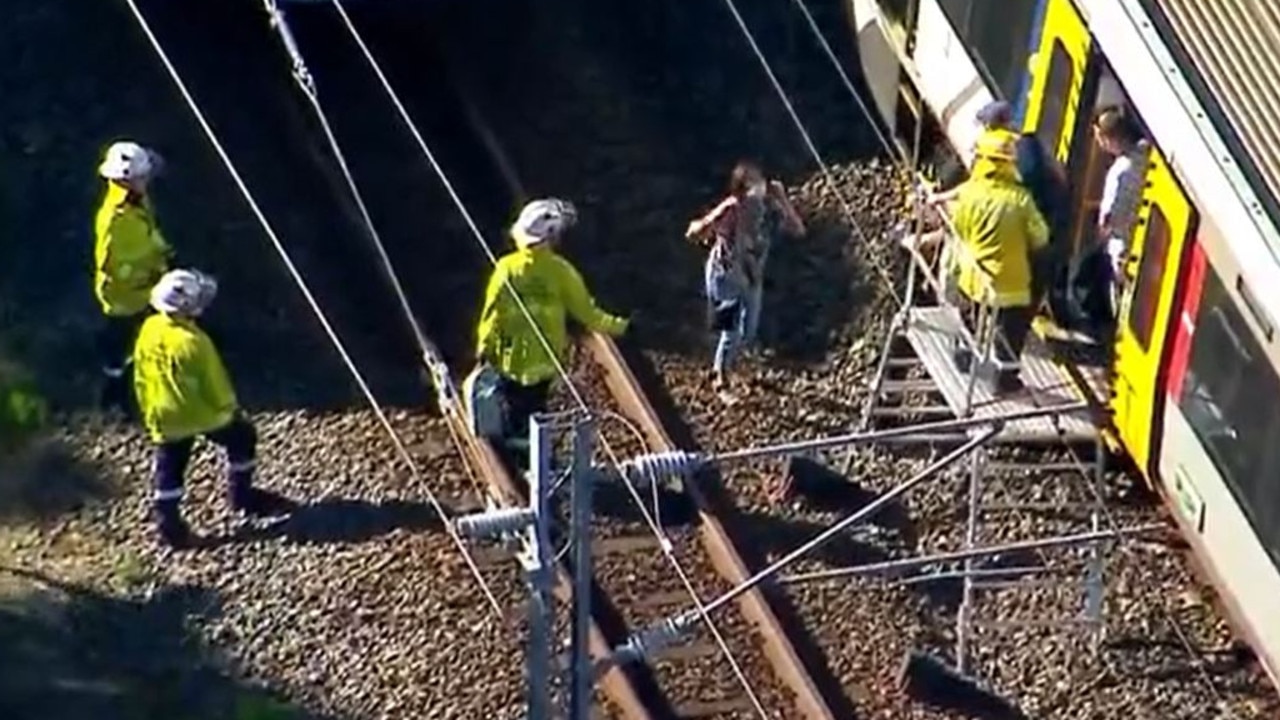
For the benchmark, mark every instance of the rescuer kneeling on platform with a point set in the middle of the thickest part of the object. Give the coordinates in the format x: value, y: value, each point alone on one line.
x: 183, y: 391
x: 130, y: 255
x: 550, y: 288
x: 998, y: 228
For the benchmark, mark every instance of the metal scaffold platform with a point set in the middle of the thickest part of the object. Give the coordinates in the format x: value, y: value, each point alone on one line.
x: 918, y: 384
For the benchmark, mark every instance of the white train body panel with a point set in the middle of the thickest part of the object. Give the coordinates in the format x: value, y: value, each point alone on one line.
x: 947, y: 78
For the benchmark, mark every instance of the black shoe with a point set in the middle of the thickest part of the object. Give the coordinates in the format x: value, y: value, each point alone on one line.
x: 173, y: 531
x: 1007, y: 382
x: 263, y: 503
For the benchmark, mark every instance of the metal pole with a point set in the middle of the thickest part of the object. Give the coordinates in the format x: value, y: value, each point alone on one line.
x: 970, y: 540
x: 584, y: 434
x: 538, y: 567
x: 870, y: 509
x: 863, y: 438
x: 891, y: 566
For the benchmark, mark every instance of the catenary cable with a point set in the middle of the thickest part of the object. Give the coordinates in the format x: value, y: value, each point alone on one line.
x: 311, y: 301
x: 561, y: 371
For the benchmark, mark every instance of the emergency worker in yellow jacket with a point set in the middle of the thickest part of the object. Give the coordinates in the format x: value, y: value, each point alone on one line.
x: 998, y: 228
x: 130, y: 255
x: 183, y: 392
x: 552, y: 291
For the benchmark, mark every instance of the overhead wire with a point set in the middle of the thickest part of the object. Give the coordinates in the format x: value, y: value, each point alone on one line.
x: 1080, y: 466
x: 846, y: 206
x: 561, y: 372
x: 430, y: 354
x: 301, y: 282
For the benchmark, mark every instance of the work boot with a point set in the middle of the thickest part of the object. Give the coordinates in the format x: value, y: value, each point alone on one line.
x: 1008, y: 382
x: 261, y: 503
x: 170, y: 526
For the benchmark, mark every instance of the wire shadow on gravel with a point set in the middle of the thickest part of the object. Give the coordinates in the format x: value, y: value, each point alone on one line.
x: 44, y: 480
x: 821, y: 487
x: 672, y: 508
x: 71, y: 652
x: 338, y: 522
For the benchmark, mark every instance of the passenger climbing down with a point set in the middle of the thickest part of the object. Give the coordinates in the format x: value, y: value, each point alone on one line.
x: 753, y: 214
x: 130, y: 255
x: 551, y: 290
x: 998, y: 228
x: 183, y: 392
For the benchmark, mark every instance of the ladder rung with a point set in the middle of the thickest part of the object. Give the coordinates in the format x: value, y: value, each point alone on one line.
x: 907, y: 411
x: 1022, y: 584
x: 1001, y: 624
x: 999, y: 467
x: 901, y: 362
x: 1040, y: 507
x: 901, y: 386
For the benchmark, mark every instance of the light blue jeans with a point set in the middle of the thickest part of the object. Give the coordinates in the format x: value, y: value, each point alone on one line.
x: 753, y: 302
x: 730, y: 341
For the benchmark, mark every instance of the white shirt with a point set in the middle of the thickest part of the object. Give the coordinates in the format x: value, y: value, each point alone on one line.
x: 1122, y: 194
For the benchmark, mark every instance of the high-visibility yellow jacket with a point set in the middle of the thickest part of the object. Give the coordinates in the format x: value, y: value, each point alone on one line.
x: 130, y: 254
x: 998, y: 227
x: 551, y: 289
x: 181, y: 384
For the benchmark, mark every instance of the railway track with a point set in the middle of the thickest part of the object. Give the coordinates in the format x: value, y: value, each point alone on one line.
x: 635, y: 587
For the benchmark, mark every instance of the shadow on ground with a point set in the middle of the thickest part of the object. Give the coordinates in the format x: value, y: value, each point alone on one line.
x: 44, y: 480
x: 337, y: 522
x: 72, y: 653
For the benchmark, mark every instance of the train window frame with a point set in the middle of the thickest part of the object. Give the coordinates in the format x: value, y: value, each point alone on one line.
x: 1055, y: 98
x: 1227, y: 371
x: 1002, y: 64
x: 1145, y: 301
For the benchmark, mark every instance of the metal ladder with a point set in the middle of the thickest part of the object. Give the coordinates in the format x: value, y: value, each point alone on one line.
x: 985, y: 475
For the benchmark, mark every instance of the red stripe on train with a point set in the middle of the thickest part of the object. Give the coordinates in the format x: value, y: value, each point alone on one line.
x: 1184, y: 325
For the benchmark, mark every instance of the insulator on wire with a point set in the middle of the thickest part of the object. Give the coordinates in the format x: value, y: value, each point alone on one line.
x: 494, y: 522
x: 642, y: 646
x: 648, y: 469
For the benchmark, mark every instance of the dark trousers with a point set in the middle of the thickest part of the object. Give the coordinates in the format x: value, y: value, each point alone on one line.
x: 523, y: 401
x: 1013, y: 324
x: 1082, y: 300
x: 115, y: 357
x: 240, y: 441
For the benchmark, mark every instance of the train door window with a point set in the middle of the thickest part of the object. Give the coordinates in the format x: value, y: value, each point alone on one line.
x: 1057, y: 93
x: 1228, y: 379
x: 995, y: 33
x: 1146, y: 293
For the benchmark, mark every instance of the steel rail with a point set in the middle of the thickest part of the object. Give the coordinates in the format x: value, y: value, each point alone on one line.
x: 755, y: 605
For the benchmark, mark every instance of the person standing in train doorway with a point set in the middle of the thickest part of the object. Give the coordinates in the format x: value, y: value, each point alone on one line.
x: 1088, y: 302
x: 130, y: 255
x: 1118, y: 134
x: 549, y: 290
x: 753, y: 214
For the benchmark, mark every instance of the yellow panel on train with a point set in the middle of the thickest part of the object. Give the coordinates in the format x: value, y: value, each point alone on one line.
x: 1159, y: 245
x: 1052, y: 115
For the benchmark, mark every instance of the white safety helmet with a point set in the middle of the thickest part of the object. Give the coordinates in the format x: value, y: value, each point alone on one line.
x: 184, y: 292
x: 543, y: 219
x: 127, y: 160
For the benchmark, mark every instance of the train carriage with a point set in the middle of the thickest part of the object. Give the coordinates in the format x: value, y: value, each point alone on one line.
x: 1194, y: 393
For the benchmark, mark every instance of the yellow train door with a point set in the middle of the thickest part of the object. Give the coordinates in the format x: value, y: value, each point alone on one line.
x: 1057, y: 77
x: 1158, y: 245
